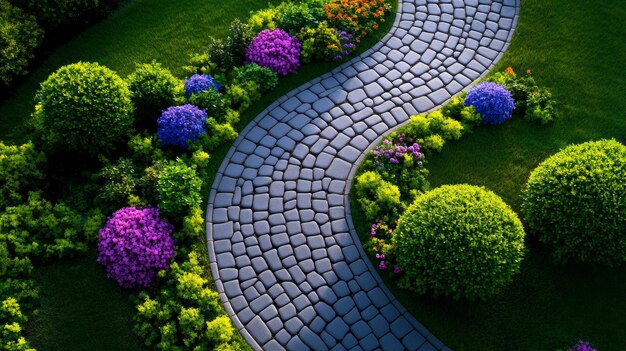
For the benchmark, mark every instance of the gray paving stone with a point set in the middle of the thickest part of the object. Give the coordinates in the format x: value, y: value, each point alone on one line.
x: 278, y: 231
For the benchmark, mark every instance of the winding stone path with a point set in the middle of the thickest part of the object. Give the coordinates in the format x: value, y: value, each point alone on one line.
x: 284, y: 254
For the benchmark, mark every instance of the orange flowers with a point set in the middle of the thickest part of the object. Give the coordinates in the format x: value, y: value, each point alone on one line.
x: 360, y: 17
x: 509, y: 70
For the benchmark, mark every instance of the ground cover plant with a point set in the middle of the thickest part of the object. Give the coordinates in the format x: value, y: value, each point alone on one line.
x: 142, y: 169
x: 542, y: 307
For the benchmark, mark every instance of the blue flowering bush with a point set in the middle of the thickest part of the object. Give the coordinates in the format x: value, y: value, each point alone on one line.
x: 200, y: 82
x: 180, y: 124
x: 492, y: 101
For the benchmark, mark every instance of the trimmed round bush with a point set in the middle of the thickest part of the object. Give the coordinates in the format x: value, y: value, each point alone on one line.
x: 459, y: 240
x: 492, y: 101
x: 576, y: 202
x: 180, y: 124
x: 134, y: 245
x: 84, y: 107
x: 19, y: 36
x: 153, y: 89
x: 276, y: 50
x: 200, y: 82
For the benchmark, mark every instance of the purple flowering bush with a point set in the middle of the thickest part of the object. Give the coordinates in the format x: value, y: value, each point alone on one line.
x: 200, y: 82
x: 492, y: 101
x: 276, y: 50
x: 134, y: 245
x: 582, y: 346
x: 180, y: 124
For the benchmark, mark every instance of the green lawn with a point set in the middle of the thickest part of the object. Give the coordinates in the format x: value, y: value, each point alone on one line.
x: 579, y: 52
x: 80, y: 307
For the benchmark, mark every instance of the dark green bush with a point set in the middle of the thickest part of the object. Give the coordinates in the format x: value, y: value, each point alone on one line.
x: 215, y: 104
x: 178, y: 188
x: 84, y: 107
x: 263, y: 77
x: 576, y: 202
x: 19, y: 36
x: 119, y: 185
x: 185, y: 314
x: 459, y: 240
x: 153, y: 89
x: 293, y: 17
x: 230, y: 53
x: 20, y: 171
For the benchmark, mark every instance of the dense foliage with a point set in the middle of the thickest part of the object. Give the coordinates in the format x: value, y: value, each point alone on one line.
x: 178, y: 125
x: 492, y: 101
x: 134, y: 245
x: 459, y: 240
x: 276, y: 50
x: 213, y: 104
x: 576, y: 202
x: 19, y: 36
x: 178, y: 187
x: 185, y: 314
x: 12, y: 322
x: 153, y: 89
x: 84, y: 107
x: 263, y: 77
x: 20, y: 171
x: 320, y: 42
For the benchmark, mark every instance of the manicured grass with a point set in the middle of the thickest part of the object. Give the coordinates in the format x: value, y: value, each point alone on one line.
x: 577, y: 50
x: 80, y: 307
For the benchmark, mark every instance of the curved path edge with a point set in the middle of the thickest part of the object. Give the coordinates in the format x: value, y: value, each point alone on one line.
x: 224, y: 231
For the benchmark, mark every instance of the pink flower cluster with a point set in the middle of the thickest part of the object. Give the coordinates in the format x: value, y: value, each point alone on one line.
x: 389, y: 154
x: 134, y: 245
x: 276, y: 50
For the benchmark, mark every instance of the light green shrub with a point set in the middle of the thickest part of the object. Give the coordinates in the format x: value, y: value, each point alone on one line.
x: 178, y: 188
x: 379, y: 199
x: 153, y: 88
x: 459, y: 240
x: 21, y: 169
x: 319, y: 42
x: 84, y: 107
x: 576, y: 202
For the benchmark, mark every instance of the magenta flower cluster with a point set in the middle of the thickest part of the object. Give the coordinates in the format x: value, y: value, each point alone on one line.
x: 388, y: 155
x: 276, y: 50
x: 181, y: 124
x: 134, y: 245
x: 492, y: 101
x: 199, y: 83
x: 582, y: 346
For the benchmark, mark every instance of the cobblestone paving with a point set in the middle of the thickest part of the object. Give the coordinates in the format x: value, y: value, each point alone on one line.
x: 284, y: 254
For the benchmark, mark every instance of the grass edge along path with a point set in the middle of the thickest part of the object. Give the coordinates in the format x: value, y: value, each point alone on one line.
x: 575, y: 51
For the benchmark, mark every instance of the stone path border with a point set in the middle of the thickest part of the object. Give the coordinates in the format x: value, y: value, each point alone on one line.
x: 284, y: 254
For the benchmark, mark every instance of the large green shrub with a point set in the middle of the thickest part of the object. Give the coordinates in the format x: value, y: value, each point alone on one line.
x: 576, y: 202
x: 185, y: 314
x: 153, y: 88
x: 459, y: 240
x: 84, y: 107
x: 20, y: 171
x: 178, y: 188
x: 320, y: 42
x: 19, y: 36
